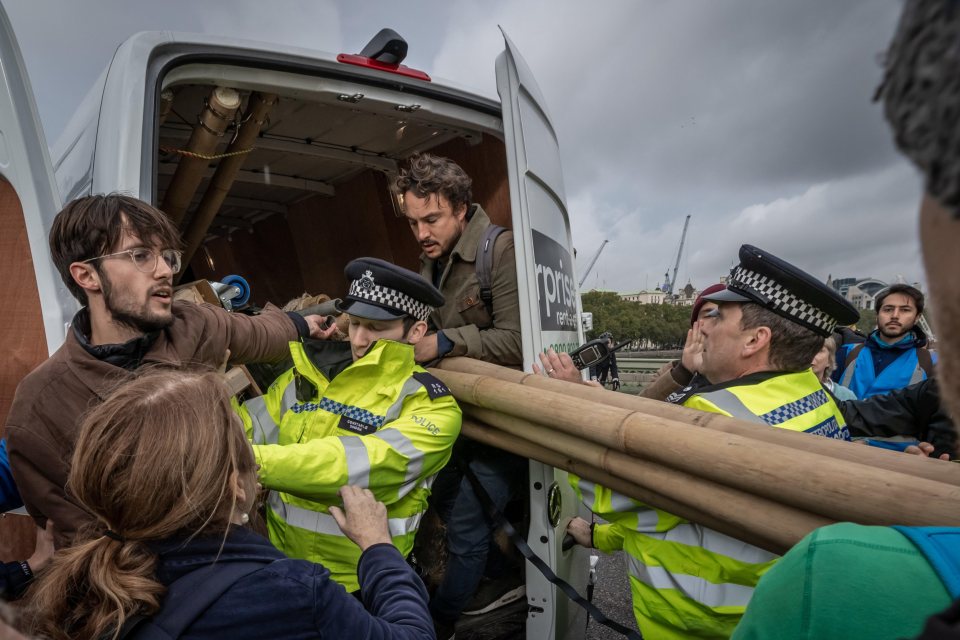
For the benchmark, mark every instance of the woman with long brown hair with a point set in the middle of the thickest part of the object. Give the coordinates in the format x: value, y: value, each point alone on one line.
x: 164, y: 466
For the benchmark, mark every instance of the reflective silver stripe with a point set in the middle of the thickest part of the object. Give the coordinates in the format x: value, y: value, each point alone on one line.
x: 358, y: 462
x: 293, y: 515
x: 326, y: 524
x: 410, y: 387
x: 694, y: 535
x: 265, y: 430
x: 703, y: 591
x: 727, y: 401
x: 405, y: 446
x: 289, y: 397
x: 848, y: 373
x: 917, y: 375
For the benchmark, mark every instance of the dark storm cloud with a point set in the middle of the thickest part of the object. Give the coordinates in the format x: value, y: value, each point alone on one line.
x: 754, y: 117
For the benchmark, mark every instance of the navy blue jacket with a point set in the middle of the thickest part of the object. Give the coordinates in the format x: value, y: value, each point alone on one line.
x: 296, y: 599
x: 9, y: 496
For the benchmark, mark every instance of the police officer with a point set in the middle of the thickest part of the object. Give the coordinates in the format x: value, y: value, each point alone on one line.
x: 358, y: 412
x: 770, y: 321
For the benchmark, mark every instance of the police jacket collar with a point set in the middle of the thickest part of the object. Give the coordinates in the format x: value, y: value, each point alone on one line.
x: 333, y: 358
x: 747, y: 380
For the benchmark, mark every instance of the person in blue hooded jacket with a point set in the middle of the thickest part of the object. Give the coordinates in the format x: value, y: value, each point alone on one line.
x: 895, y: 355
x: 165, y: 469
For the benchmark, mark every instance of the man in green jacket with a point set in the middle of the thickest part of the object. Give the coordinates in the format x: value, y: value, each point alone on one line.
x: 460, y: 247
x: 360, y: 413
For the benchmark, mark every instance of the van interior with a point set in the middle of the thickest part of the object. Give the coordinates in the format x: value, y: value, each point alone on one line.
x: 313, y: 190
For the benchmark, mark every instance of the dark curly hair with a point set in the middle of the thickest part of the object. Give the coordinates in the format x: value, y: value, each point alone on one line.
x: 921, y: 94
x: 428, y: 174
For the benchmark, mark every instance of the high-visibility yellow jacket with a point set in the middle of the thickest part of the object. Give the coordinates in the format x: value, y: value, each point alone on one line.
x: 689, y: 581
x: 382, y: 423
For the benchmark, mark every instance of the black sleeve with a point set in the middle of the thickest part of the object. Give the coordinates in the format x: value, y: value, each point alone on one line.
x: 912, y: 411
x: 303, y: 329
x: 13, y: 580
x: 614, y: 372
x: 883, y: 415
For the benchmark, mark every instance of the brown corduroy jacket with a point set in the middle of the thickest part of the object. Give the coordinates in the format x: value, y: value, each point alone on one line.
x: 464, y: 319
x: 42, y: 425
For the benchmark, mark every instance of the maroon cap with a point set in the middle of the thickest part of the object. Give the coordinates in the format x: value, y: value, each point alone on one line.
x: 699, y: 302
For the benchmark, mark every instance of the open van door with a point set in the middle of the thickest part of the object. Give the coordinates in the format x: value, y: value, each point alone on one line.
x: 546, y: 279
x: 25, y: 165
x: 27, y: 276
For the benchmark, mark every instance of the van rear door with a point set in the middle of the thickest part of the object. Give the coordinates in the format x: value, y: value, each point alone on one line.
x: 28, y: 281
x: 27, y: 277
x: 549, y: 313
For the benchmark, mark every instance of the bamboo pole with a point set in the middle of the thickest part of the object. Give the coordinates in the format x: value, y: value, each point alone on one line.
x: 502, y: 440
x: 870, y: 456
x: 221, y: 106
x: 738, y: 514
x: 258, y: 107
x: 809, y: 482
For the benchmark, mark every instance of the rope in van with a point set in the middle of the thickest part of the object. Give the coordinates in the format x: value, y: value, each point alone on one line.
x: 204, y: 156
x: 501, y: 520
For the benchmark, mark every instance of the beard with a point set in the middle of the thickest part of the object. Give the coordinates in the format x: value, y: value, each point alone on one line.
x: 124, y: 311
x: 895, y: 332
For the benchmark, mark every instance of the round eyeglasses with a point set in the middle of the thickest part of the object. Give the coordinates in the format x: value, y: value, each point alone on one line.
x: 145, y: 260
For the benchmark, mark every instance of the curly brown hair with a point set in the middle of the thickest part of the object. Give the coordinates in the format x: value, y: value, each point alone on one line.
x: 428, y: 174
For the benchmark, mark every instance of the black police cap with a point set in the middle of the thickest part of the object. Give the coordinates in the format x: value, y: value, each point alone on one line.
x: 380, y: 290
x: 775, y: 284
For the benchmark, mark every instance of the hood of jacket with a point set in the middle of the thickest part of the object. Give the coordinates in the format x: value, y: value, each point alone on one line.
x: 913, y: 340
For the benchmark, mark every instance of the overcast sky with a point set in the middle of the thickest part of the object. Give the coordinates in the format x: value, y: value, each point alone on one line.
x: 755, y: 117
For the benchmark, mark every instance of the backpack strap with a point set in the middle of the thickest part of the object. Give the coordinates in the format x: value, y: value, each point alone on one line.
x: 187, y: 599
x: 941, y: 547
x: 847, y: 369
x: 925, y: 361
x: 484, y: 264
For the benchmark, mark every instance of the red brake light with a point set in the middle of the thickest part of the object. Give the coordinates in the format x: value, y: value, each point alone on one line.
x: 363, y: 61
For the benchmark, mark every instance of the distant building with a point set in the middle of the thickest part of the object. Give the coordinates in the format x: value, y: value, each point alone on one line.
x: 860, y: 292
x: 686, y: 296
x: 645, y: 296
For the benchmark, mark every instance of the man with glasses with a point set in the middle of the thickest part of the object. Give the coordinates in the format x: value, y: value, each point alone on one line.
x: 117, y: 255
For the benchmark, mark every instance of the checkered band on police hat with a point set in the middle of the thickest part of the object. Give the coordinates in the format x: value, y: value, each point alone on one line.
x: 781, y: 300
x: 367, y: 290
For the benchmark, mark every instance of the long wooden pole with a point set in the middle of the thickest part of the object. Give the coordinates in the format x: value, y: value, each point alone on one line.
x: 502, y: 440
x: 870, y: 456
x: 221, y: 106
x: 809, y: 482
x: 258, y: 107
x: 705, y: 502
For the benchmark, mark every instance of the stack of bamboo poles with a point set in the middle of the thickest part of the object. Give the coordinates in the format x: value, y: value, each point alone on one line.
x: 766, y: 486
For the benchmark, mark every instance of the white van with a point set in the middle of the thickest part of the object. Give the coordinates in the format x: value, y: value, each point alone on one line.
x: 311, y: 195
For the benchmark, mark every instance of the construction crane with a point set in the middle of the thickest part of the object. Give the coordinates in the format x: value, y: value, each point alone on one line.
x: 668, y: 282
x: 593, y: 261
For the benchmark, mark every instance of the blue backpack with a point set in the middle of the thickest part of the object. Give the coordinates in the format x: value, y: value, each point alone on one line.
x: 941, y: 547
